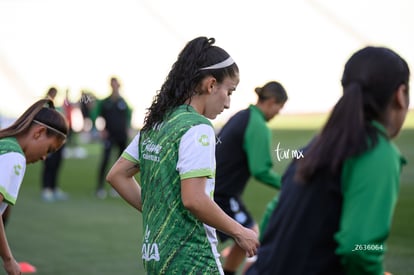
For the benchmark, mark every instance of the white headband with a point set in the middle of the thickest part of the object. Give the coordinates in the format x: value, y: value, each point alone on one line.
x: 229, y: 61
x: 50, y: 127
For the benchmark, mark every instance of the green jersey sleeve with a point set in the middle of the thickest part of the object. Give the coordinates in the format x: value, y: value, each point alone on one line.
x: 131, y: 153
x: 370, y: 186
x: 257, y: 147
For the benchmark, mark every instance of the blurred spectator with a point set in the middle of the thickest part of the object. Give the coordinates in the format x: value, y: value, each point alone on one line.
x: 52, y: 164
x: 117, y: 115
x: 67, y: 111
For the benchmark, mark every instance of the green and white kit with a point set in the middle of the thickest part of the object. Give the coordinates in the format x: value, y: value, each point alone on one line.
x: 181, y: 147
x: 13, y: 166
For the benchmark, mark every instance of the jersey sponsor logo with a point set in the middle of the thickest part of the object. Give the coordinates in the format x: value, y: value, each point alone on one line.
x: 151, y: 157
x: 151, y: 150
x: 149, y: 250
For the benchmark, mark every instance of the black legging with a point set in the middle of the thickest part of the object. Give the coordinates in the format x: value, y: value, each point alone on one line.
x: 51, y: 168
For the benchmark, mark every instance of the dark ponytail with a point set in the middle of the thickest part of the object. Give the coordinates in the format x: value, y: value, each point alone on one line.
x: 185, y: 75
x: 343, y: 135
x: 371, y: 77
x: 272, y: 89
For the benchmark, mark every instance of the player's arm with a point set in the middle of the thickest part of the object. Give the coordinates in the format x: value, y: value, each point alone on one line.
x: 121, y: 177
x: 9, y: 263
x: 196, y: 163
x: 207, y: 211
x: 257, y: 147
x: 370, y: 187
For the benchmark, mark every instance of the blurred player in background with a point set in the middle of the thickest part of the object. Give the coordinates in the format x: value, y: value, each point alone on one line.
x: 117, y: 115
x: 244, y: 151
x: 336, y: 204
x: 51, y: 166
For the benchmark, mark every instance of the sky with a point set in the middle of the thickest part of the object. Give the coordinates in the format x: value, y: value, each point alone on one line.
x: 79, y: 44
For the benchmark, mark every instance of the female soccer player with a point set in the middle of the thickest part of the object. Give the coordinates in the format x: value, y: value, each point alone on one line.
x: 40, y: 130
x: 243, y: 151
x: 175, y: 153
x: 336, y: 204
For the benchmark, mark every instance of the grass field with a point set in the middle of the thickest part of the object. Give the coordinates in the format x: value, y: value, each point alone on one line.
x: 85, y: 235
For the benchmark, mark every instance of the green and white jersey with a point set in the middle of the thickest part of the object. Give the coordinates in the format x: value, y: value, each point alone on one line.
x: 12, y: 167
x: 175, y: 241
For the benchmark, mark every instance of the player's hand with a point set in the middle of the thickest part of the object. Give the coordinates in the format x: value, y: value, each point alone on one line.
x: 248, y: 241
x: 387, y: 273
x: 12, y: 267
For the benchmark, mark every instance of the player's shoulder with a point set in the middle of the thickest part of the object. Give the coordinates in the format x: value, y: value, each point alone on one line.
x: 9, y: 145
x: 384, y: 151
x: 379, y: 161
x: 186, y: 116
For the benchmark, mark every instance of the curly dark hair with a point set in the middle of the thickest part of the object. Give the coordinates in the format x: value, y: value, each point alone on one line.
x: 184, y: 76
